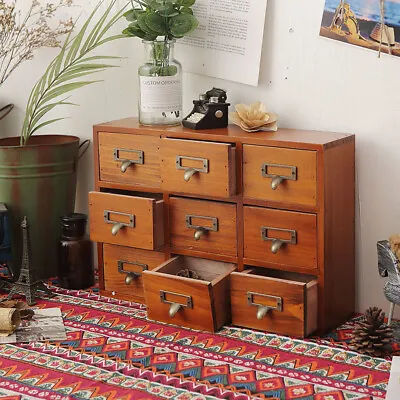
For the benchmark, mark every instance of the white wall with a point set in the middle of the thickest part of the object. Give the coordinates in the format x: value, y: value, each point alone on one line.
x: 311, y: 82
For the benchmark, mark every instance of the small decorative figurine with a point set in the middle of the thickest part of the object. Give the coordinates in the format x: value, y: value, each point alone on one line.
x: 27, y: 284
x: 209, y: 112
x: 254, y: 118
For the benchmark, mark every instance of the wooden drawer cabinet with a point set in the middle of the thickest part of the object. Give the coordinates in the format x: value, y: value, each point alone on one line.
x: 265, y: 219
x: 126, y: 220
x: 196, y: 303
x: 132, y: 160
x: 279, y: 174
x: 201, y: 225
x: 123, y: 270
x: 196, y: 167
x: 275, y: 301
x: 280, y: 237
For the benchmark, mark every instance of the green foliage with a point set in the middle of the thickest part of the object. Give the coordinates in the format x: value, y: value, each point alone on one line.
x: 66, y: 71
x: 149, y: 19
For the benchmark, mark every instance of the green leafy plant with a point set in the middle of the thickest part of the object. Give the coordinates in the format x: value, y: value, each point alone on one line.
x: 149, y: 19
x: 67, y: 69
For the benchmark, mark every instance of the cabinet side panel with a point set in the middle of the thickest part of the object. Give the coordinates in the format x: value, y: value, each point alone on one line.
x: 339, y: 242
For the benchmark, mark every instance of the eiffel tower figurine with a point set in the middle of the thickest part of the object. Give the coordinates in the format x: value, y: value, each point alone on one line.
x: 27, y: 284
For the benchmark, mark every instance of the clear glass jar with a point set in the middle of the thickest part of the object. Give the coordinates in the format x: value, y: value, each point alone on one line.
x: 160, y: 85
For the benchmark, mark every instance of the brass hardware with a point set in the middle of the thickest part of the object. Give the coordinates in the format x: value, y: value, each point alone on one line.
x: 201, y: 230
x: 190, y: 171
x: 263, y: 310
x: 198, y: 233
x: 188, y: 174
x: 131, y: 275
x: 219, y: 114
x: 278, y: 243
x: 126, y: 163
x: 175, y: 307
x: 278, y: 179
x: 117, y: 226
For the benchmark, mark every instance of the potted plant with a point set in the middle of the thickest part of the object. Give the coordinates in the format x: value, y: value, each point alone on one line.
x: 38, y: 172
x: 159, y: 23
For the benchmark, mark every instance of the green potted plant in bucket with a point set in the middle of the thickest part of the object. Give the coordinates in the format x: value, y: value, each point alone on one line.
x: 159, y: 23
x: 38, y: 172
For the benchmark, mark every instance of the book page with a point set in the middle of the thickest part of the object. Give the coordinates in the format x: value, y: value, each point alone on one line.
x: 228, y: 41
x: 393, y: 388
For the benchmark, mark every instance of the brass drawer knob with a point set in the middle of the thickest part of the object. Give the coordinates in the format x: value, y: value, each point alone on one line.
x: 130, y: 278
x: 125, y: 165
x: 199, y: 233
x: 276, y: 181
x: 189, y: 173
x: 276, y: 245
x: 173, y: 309
x: 262, y: 311
x: 116, y: 228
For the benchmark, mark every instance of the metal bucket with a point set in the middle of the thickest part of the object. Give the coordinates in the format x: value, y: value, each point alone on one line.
x: 38, y: 181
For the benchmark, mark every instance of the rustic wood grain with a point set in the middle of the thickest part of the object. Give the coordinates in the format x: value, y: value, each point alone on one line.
x: 221, y: 242
x: 142, y: 235
x: 147, y: 174
x: 220, y: 179
x: 303, y: 190
x: 302, y: 254
x: 115, y: 281
x: 290, y: 320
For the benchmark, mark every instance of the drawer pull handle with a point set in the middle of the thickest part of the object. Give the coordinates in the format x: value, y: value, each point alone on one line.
x: 278, y: 243
x: 117, y: 226
x: 190, y: 171
x: 131, y: 275
x: 174, y: 306
x: 173, y: 309
x: 278, y: 179
x: 198, y: 233
x: 263, y: 310
x: 126, y: 163
x: 201, y: 230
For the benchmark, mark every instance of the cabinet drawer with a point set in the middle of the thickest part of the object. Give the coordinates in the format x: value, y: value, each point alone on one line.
x: 200, y: 225
x: 131, y: 159
x: 190, y: 166
x: 274, y: 301
x: 126, y: 220
x: 280, y: 237
x: 193, y: 303
x: 123, y: 269
x: 278, y: 174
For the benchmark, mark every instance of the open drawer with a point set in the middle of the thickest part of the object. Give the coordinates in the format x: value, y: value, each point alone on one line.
x: 274, y: 301
x: 194, y: 303
x: 133, y: 221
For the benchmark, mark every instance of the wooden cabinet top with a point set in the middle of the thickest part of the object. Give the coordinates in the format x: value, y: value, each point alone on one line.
x: 293, y: 138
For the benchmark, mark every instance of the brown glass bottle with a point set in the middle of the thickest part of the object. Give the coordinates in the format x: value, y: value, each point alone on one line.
x: 75, y: 255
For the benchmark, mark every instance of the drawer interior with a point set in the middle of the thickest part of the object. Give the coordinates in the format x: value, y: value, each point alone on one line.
x: 281, y: 275
x: 207, y: 270
x: 155, y: 196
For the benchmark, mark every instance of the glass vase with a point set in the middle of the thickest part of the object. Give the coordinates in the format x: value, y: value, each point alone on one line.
x: 160, y: 85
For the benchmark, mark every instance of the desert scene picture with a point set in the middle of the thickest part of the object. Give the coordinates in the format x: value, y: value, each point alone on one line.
x: 358, y: 22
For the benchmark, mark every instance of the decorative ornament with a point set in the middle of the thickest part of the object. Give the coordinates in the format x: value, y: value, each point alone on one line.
x: 371, y: 336
x: 27, y: 284
x: 254, y: 118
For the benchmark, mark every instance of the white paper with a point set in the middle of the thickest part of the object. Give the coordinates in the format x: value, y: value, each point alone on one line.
x: 393, y: 388
x: 228, y: 42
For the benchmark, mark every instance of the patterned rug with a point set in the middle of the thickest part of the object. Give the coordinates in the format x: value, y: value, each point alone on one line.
x: 114, y: 352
